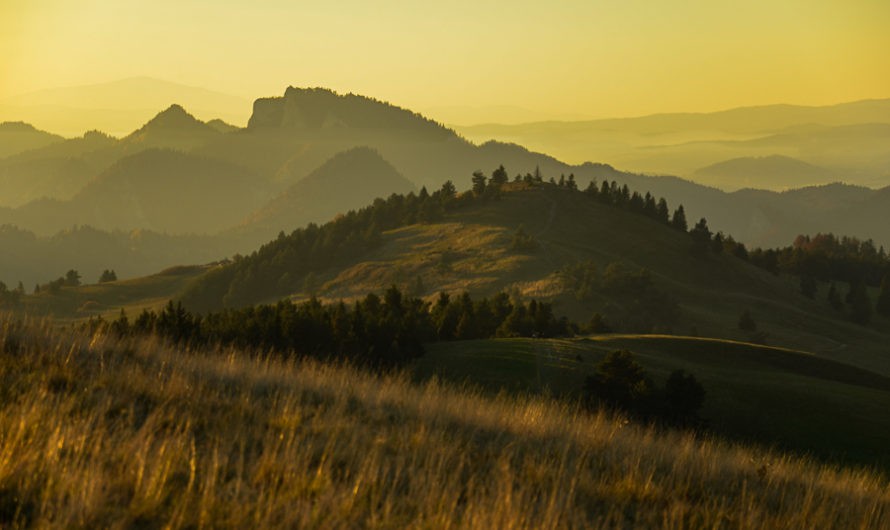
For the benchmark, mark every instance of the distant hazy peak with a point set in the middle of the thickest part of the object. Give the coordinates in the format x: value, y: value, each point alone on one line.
x: 751, y: 162
x: 170, y: 126
x: 360, y: 158
x: 17, y: 126
x: 172, y: 115
x: 357, y: 174
x: 321, y: 108
x: 352, y: 167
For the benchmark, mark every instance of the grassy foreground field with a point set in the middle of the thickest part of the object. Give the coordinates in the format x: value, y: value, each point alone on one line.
x: 773, y: 396
x: 95, y: 432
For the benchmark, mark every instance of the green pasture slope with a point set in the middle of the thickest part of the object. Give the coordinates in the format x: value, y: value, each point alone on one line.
x: 787, y: 398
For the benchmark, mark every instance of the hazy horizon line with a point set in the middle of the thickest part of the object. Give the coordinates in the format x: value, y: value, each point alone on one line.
x: 429, y: 111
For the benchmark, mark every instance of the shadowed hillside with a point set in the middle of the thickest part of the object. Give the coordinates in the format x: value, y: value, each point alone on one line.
x: 61, y: 169
x: 31, y: 259
x: 173, y: 128
x: 155, y: 189
x: 342, y: 183
x: 16, y: 137
x: 764, y: 172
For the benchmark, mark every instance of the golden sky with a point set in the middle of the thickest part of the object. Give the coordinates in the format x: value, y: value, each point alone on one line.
x: 571, y: 58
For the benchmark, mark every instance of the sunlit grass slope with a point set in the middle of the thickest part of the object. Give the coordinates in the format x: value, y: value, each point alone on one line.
x: 99, y: 433
x: 768, y: 395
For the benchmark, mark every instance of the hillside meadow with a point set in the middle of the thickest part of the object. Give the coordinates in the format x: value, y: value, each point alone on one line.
x: 101, y: 432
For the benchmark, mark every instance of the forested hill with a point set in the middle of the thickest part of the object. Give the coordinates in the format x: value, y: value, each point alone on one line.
x: 625, y: 256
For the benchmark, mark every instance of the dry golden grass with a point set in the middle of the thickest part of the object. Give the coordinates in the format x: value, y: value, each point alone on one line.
x: 97, y: 432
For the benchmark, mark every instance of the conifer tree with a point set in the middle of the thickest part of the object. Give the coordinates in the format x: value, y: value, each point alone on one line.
x: 478, y: 183
x: 570, y: 183
x: 679, y: 219
x: 499, y: 176
x: 662, y: 213
x: 701, y: 236
x: 72, y: 278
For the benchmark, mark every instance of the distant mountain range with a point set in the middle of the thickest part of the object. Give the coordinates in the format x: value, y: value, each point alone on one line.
x: 117, y: 106
x: 764, y: 172
x: 851, y: 141
x: 311, y: 154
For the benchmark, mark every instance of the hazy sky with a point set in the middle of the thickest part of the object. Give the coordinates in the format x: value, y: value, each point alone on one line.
x: 595, y: 58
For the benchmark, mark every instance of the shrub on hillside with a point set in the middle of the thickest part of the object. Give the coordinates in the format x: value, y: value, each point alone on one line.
x: 621, y: 383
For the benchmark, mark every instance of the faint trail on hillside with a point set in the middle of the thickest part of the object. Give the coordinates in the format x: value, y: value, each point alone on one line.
x: 543, y: 251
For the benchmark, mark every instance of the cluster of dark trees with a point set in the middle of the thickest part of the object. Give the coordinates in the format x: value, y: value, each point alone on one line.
x: 10, y: 298
x: 829, y: 259
x: 622, y: 197
x: 377, y: 331
x: 459, y: 318
x: 636, y: 301
x: 703, y: 240
x: 621, y: 383
x: 70, y: 279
